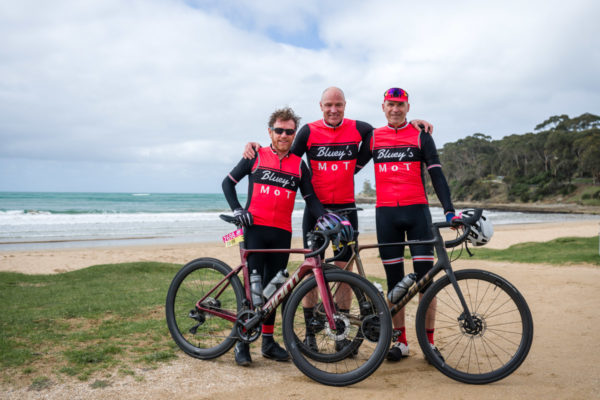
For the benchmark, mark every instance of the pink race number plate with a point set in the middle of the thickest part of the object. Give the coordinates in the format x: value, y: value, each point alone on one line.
x: 233, y: 238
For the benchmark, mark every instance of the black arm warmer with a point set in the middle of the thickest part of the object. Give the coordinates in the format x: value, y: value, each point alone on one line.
x: 438, y: 180
x: 299, y: 146
x: 364, y: 154
x: 243, y: 168
x: 308, y: 193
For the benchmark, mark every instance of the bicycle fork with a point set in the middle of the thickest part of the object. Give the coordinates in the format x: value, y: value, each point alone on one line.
x: 413, y: 290
x: 444, y: 263
x: 466, y: 315
x: 326, y: 296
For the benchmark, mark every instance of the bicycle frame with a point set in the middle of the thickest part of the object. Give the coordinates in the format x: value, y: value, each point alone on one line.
x: 310, y: 265
x: 443, y: 263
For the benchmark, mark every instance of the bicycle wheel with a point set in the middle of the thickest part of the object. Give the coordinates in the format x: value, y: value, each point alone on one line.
x: 201, y: 334
x: 497, y: 344
x: 358, y: 345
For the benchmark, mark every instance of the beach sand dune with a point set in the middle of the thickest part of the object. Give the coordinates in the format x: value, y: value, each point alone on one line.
x: 564, y: 361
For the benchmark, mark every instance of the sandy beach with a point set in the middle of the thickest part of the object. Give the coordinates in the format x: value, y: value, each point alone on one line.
x: 64, y: 260
x: 564, y: 361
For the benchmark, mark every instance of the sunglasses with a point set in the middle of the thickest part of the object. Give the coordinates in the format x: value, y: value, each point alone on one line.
x: 395, y: 92
x: 280, y: 131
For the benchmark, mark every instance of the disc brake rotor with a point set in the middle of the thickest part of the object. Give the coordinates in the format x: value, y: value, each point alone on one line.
x: 479, y: 326
x: 342, y: 327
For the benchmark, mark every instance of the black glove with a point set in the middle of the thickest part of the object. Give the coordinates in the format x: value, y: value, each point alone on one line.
x: 244, y: 217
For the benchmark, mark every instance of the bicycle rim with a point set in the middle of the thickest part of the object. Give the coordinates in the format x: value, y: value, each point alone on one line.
x: 202, y: 334
x: 355, y: 348
x: 497, y: 343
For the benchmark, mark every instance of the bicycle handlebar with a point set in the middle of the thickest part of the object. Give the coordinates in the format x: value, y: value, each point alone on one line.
x: 464, y: 221
x: 326, y: 235
x: 229, y: 218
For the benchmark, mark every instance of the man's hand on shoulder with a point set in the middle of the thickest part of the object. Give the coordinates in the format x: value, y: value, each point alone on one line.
x: 422, y: 125
x: 250, y: 150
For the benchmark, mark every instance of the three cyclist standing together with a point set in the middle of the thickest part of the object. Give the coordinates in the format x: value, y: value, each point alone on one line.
x: 337, y: 148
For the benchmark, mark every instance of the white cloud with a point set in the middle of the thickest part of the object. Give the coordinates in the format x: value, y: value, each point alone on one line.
x: 174, y: 87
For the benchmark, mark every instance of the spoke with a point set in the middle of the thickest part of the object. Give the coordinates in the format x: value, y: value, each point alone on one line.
x: 455, y: 306
x: 493, y: 300
x: 490, y: 346
x: 493, y: 313
x: 503, y: 337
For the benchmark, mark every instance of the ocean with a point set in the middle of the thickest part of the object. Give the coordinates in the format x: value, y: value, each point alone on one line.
x: 30, y: 221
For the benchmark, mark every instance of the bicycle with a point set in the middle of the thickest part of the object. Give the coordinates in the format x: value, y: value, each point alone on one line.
x: 208, y: 310
x: 483, y: 325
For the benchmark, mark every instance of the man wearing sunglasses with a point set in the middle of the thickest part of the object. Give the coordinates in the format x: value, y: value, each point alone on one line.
x: 332, y: 147
x: 274, y: 176
x: 399, y: 151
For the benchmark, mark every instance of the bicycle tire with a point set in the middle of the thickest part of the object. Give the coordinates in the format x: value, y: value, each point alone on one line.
x: 200, y: 334
x: 340, y: 367
x: 497, y: 345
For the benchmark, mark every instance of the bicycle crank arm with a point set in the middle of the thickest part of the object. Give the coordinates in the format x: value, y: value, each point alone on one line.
x: 251, y: 323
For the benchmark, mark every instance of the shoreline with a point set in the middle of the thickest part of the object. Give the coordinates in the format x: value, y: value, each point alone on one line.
x: 53, y: 261
x: 546, y: 208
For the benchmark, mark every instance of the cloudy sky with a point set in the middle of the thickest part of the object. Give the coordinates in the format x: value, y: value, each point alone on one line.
x: 161, y: 95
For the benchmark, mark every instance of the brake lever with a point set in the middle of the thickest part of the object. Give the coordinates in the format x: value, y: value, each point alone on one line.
x: 467, y: 248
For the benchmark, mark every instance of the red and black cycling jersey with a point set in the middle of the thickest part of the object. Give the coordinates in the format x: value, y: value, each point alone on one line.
x: 272, y: 187
x: 332, y: 152
x: 399, y: 155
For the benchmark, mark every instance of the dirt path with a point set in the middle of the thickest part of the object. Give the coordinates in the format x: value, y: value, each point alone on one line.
x: 564, y: 361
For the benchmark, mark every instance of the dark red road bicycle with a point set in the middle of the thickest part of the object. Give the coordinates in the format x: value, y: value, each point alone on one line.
x: 208, y: 309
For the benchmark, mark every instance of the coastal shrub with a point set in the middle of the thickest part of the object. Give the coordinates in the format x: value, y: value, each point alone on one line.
x: 465, y: 189
x: 568, y: 189
x: 540, y: 179
x: 553, y: 188
x: 518, y: 190
x: 481, y: 192
x: 457, y: 189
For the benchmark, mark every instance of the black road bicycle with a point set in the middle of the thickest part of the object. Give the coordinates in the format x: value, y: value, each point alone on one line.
x: 483, y: 325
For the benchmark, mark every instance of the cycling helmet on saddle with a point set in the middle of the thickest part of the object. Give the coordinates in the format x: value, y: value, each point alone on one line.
x: 480, y: 232
x: 331, y: 220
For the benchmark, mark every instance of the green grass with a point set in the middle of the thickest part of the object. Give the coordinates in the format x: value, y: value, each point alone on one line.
x: 589, y: 196
x: 562, y: 251
x: 77, y: 323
